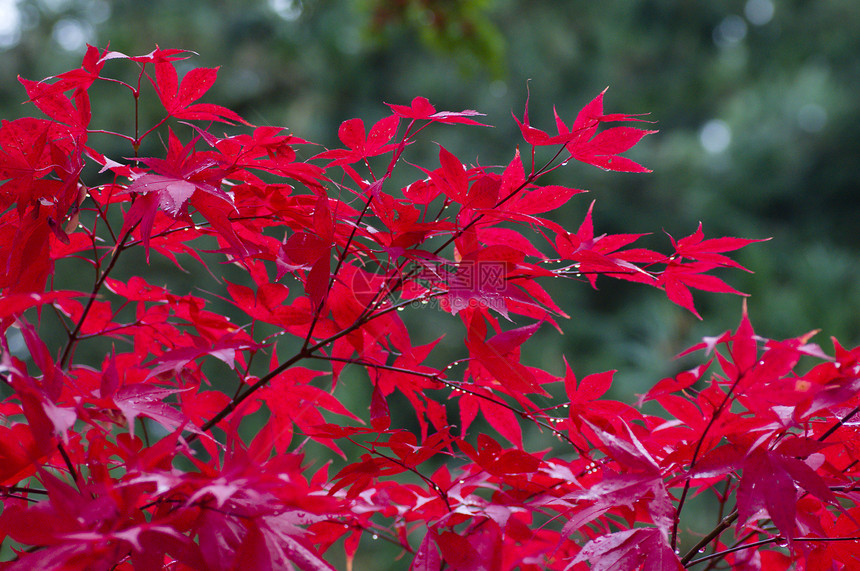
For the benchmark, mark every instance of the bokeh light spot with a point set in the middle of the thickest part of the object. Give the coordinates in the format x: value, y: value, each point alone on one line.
x: 715, y: 136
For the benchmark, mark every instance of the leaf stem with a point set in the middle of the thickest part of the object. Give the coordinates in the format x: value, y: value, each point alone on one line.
x: 712, y: 535
x: 74, y: 335
x: 717, y: 412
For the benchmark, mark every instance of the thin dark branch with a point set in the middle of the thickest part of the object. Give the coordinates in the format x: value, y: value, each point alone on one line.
x: 777, y: 539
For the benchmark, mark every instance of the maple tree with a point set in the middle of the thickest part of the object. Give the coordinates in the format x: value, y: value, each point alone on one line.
x: 155, y: 456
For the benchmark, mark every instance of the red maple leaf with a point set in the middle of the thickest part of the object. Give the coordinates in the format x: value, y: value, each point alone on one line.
x: 695, y: 247
x: 678, y: 277
x: 421, y: 109
x: 499, y: 356
x: 143, y: 399
x: 20, y: 454
x: 178, y: 98
x: 642, y: 548
x: 361, y: 144
x: 770, y: 482
x: 57, y: 106
x: 172, y: 185
x: 601, y: 149
x: 583, y: 140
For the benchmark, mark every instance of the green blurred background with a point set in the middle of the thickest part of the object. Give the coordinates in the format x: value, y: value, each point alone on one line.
x: 756, y: 101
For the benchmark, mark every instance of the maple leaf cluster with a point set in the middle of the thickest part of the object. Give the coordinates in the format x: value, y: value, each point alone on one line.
x: 188, y: 443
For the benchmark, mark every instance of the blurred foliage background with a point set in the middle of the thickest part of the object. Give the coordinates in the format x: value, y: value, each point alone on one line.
x: 756, y: 101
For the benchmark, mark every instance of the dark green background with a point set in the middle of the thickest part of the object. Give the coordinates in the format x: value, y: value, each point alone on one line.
x: 785, y: 87
x: 787, y: 90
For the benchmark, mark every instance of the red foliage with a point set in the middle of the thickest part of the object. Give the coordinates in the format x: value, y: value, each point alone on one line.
x: 185, y: 445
